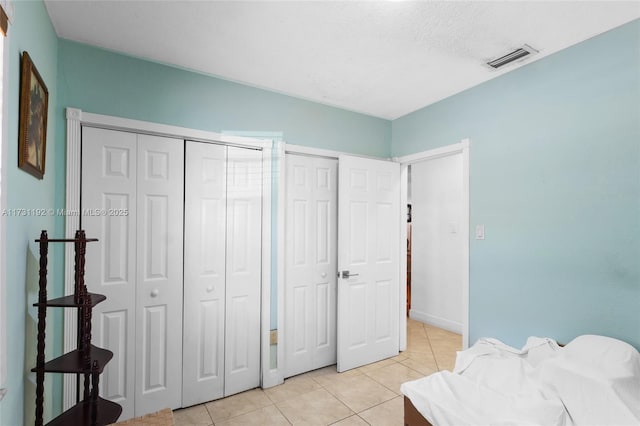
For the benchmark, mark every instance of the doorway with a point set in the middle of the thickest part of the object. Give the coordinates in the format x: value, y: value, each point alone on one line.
x: 436, y: 186
x: 367, y: 256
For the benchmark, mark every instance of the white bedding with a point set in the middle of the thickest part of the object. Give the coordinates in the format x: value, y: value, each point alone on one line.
x: 594, y: 380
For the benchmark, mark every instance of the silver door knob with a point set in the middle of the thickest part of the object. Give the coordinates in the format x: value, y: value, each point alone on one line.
x: 155, y: 292
x: 346, y: 274
x: 209, y: 289
x: 324, y: 274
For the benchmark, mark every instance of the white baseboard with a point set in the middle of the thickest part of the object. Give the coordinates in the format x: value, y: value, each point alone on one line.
x: 436, y: 321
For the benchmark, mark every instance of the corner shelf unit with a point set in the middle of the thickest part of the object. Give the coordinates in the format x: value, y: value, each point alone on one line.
x: 86, y: 361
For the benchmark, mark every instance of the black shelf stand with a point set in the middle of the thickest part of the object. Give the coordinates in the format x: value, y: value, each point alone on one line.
x: 86, y: 361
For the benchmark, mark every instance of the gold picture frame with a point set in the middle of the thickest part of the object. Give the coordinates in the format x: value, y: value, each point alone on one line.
x: 34, y: 102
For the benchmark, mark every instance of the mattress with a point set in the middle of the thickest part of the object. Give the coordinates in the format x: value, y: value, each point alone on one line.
x: 593, y: 380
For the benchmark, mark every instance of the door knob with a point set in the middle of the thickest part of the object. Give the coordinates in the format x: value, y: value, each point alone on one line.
x: 155, y: 292
x: 324, y: 274
x: 346, y: 274
x: 209, y: 289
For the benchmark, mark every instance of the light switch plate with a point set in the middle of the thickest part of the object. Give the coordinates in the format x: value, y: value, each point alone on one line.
x: 479, y: 232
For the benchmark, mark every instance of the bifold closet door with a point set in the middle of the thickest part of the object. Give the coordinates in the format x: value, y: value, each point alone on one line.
x: 109, y: 160
x: 131, y: 185
x: 223, y: 199
x: 204, y: 274
x: 244, y: 269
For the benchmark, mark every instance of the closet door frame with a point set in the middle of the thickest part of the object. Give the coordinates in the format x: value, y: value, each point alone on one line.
x: 76, y: 119
x: 282, y: 150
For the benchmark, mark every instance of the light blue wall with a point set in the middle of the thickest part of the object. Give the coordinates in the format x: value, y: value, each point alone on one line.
x: 555, y: 176
x: 106, y: 83
x: 103, y: 82
x: 555, y: 179
x: 30, y: 31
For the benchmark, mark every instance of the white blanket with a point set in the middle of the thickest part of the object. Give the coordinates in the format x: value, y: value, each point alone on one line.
x: 594, y: 380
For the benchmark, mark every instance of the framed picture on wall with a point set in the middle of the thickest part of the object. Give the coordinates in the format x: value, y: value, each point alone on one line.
x: 32, y: 137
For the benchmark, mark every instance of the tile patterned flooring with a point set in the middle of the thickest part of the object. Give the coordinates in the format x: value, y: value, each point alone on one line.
x: 369, y: 395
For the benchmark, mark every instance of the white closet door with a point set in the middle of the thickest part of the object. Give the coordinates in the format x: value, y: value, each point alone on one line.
x: 109, y: 161
x: 204, y: 274
x: 311, y: 263
x: 160, y: 199
x: 243, y: 269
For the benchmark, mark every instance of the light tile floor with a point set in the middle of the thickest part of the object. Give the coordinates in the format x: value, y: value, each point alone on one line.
x: 369, y: 395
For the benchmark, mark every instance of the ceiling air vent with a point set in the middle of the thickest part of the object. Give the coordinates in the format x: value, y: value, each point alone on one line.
x: 517, y: 54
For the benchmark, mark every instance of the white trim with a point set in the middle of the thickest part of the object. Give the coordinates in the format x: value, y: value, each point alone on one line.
x: 126, y: 124
x: 307, y: 150
x: 404, y: 185
x: 319, y: 152
x: 269, y: 376
x: 75, y: 120
x: 432, y: 154
x: 466, y: 217
x: 4, y: 141
x: 459, y: 148
x: 282, y: 188
x: 72, y: 222
x: 436, y: 321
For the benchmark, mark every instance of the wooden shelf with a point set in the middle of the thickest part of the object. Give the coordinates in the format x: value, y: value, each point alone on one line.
x: 73, y: 362
x: 66, y: 240
x: 92, y: 410
x: 80, y: 414
x: 68, y: 301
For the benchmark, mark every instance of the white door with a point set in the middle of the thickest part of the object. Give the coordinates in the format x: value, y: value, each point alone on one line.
x: 311, y: 263
x: 223, y: 246
x: 243, y: 270
x: 109, y: 161
x: 204, y: 272
x: 159, y: 244
x: 369, y: 221
x: 131, y: 185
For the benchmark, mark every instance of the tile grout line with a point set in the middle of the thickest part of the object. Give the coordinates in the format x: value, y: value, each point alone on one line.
x: 282, y: 414
x: 326, y: 389
x: 431, y: 346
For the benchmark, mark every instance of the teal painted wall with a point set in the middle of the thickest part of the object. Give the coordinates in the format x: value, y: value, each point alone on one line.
x: 30, y: 31
x: 103, y: 82
x: 555, y: 179
x: 560, y: 199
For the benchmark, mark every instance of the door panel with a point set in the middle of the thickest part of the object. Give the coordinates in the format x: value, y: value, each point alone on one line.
x: 243, y: 270
x: 204, y: 275
x: 311, y: 260
x: 109, y: 160
x: 159, y: 246
x: 369, y: 234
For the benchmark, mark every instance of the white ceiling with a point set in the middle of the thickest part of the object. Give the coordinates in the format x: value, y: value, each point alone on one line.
x: 383, y: 58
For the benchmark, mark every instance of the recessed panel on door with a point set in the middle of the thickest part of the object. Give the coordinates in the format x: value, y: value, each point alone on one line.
x: 114, y: 333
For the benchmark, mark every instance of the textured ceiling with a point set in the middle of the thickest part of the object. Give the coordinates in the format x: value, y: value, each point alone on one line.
x: 381, y: 58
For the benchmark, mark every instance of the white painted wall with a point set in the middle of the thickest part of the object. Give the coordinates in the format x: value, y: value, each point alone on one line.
x: 437, y: 244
